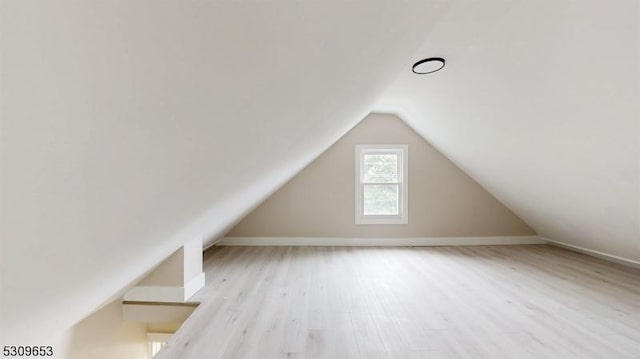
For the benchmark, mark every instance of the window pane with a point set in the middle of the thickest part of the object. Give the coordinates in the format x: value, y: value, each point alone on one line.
x: 380, y: 199
x: 380, y: 168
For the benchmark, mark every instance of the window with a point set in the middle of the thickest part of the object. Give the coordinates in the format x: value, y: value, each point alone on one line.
x: 156, y: 342
x: 381, y: 184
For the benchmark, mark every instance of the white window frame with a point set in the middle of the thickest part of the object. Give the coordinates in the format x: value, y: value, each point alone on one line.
x: 403, y: 184
x: 155, y: 342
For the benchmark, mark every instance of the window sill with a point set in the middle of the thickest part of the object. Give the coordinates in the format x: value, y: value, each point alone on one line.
x: 369, y: 220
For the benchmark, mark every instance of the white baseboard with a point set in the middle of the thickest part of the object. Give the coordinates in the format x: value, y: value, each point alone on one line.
x: 371, y: 242
x: 155, y: 313
x: 166, y: 294
x: 155, y: 294
x: 593, y: 253
x: 211, y: 244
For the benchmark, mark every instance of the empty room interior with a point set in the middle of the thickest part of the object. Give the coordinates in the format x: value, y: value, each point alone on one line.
x: 320, y: 179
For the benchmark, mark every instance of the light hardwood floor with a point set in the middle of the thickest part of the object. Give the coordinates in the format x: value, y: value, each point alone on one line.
x: 532, y: 301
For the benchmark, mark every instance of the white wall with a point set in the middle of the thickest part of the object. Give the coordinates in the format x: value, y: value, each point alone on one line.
x: 540, y: 103
x: 118, y: 121
x: 129, y: 127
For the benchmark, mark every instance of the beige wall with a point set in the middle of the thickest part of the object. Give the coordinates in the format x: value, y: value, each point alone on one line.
x: 319, y: 201
x: 104, y: 335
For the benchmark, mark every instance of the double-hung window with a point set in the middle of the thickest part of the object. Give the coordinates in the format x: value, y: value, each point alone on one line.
x: 381, y: 184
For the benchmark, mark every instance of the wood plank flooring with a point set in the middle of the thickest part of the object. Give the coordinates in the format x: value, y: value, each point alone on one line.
x: 532, y: 301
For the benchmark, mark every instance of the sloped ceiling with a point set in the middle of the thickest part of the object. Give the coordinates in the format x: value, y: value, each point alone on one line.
x: 540, y: 103
x: 131, y: 126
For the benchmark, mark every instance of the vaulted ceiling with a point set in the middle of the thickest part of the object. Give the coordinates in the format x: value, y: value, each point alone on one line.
x: 540, y: 103
x: 130, y: 126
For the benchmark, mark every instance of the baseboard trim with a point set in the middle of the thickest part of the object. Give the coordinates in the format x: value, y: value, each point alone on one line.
x: 211, y: 244
x: 156, y: 312
x: 379, y: 242
x: 593, y: 253
x: 166, y: 294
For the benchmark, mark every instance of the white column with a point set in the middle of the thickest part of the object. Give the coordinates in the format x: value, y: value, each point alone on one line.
x: 175, y: 280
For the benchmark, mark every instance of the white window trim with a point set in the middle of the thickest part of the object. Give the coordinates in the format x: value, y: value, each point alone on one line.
x: 403, y: 217
x: 156, y: 341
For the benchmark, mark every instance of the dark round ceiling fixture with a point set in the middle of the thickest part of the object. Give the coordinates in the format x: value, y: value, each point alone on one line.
x: 428, y: 66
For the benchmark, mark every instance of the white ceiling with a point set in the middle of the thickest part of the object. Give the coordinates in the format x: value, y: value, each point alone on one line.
x: 540, y: 103
x: 131, y: 126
